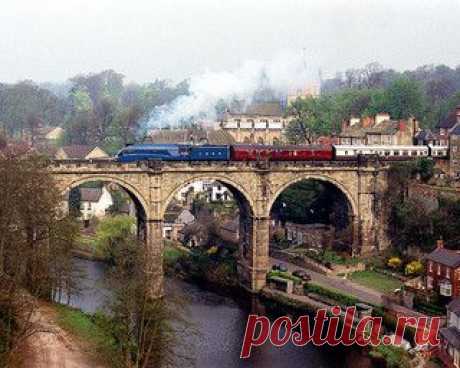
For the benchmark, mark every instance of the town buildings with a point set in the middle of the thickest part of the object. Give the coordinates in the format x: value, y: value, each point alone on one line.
x: 450, y: 336
x: 94, y: 202
x: 443, y: 271
x: 261, y: 123
x: 379, y: 130
x: 80, y: 152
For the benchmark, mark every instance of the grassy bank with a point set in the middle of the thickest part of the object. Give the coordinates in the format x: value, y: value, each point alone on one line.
x: 91, y: 331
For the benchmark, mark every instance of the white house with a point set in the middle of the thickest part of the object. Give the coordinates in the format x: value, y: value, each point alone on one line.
x: 214, y: 190
x: 94, y: 202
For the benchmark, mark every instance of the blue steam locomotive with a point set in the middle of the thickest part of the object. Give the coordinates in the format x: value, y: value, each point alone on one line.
x: 173, y: 152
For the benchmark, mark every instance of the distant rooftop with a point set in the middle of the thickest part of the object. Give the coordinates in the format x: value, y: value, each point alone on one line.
x: 261, y: 108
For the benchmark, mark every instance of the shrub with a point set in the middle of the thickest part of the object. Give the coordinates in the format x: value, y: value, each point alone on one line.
x: 414, y: 268
x: 342, y: 299
x: 394, y: 262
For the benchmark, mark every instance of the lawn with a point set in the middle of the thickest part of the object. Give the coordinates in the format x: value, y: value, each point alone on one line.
x: 376, y: 281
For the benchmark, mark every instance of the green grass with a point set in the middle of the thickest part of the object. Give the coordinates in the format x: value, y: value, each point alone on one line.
x: 376, y: 281
x: 89, y: 244
x: 172, y: 254
x: 91, y: 330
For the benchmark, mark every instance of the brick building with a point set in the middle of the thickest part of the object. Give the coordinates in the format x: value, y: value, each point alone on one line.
x: 450, y: 336
x: 443, y: 271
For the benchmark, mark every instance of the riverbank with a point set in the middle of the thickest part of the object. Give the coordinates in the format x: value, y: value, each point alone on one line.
x: 54, y: 346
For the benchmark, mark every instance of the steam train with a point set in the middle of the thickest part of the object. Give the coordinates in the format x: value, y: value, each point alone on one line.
x: 253, y: 152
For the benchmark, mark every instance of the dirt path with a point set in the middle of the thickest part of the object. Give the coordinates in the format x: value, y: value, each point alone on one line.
x: 55, y: 348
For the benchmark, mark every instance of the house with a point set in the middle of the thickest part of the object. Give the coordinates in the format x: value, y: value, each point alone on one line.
x: 80, y: 152
x: 94, y: 202
x: 174, y: 222
x: 261, y: 123
x: 447, y: 125
x: 443, y: 271
x: 213, y: 190
x: 378, y: 130
x: 50, y: 133
x: 313, y: 235
x: 450, y: 336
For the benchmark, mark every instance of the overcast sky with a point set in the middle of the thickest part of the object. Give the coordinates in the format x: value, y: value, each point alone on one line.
x: 52, y: 40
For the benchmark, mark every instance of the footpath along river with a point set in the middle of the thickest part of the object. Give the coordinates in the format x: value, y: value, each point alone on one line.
x: 219, y: 322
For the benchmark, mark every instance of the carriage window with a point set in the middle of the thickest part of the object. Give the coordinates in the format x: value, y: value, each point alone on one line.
x: 346, y: 152
x: 405, y: 153
x: 387, y: 153
x: 396, y: 153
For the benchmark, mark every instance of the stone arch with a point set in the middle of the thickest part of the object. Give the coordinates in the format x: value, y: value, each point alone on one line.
x: 236, y: 189
x: 324, y: 178
x: 132, y: 190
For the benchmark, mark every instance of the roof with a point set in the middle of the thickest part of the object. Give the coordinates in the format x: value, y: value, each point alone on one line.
x: 425, y: 135
x: 210, y: 136
x: 77, y: 151
x: 384, y: 127
x: 444, y: 256
x: 452, y: 335
x: 456, y: 130
x: 449, y: 121
x: 90, y: 194
x: 261, y: 108
x: 454, y: 306
x: 185, y: 217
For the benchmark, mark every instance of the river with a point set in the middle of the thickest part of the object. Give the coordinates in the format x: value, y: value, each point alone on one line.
x: 219, y: 322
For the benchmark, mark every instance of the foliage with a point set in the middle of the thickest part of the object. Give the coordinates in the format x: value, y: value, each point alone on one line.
x: 92, y: 330
x: 394, y: 356
x: 376, y: 281
x: 414, y: 268
x: 284, y: 275
x: 111, y: 230
x: 342, y: 299
x: 143, y: 327
x: 394, y: 262
x: 35, y: 245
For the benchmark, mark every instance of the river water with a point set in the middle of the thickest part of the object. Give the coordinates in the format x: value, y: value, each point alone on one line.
x: 218, y: 321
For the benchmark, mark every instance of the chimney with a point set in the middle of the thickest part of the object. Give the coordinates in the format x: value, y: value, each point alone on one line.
x: 402, y: 125
x: 367, y: 122
x: 383, y: 116
x: 440, y: 243
x: 345, y: 125
x: 457, y: 113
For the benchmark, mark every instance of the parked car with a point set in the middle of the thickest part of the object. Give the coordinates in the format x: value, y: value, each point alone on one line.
x: 301, y: 274
x: 282, y: 267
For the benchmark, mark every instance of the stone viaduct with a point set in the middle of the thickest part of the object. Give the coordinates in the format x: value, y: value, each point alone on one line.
x: 255, y: 185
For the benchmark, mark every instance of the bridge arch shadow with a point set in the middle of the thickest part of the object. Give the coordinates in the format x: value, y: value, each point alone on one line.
x: 140, y: 204
x: 334, y: 207
x: 243, y: 216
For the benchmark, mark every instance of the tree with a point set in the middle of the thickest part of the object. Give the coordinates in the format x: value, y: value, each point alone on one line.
x: 35, y: 245
x: 404, y: 98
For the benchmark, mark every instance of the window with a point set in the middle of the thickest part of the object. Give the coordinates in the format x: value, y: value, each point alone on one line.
x: 445, y: 288
x: 429, y: 282
x: 439, y: 270
x: 430, y: 266
x: 448, y: 272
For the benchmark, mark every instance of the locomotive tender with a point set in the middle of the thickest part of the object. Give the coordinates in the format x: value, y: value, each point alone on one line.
x: 255, y: 152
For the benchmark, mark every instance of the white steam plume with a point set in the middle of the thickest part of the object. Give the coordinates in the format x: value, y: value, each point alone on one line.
x: 284, y: 73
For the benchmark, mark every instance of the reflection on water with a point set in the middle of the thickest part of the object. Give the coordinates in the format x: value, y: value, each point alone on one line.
x: 220, y: 323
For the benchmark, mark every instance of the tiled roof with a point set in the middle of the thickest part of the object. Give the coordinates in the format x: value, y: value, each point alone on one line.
x: 77, y: 151
x: 452, y: 335
x: 262, y: 108
x: 444, y: 256
x: 385, y: 127
x: 90, y: 194
x: 210, y: 136
x: 448, y: 122
x: 425, y: 135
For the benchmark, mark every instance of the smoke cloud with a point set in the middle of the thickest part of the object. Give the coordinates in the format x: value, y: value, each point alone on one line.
x: 284, y: 73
